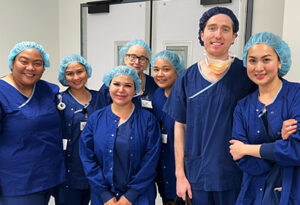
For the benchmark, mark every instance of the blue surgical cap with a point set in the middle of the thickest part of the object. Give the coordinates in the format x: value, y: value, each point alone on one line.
x: 73, y: 58
x: 19, y: 47
x: 123, y: 70
x: 281, y: 48
x: 173, y: 58
x: 214, y: 11
x: 128, y: 45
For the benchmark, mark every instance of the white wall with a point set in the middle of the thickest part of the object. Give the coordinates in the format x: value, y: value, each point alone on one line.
x: 33, y: 20
x: 291, y: 36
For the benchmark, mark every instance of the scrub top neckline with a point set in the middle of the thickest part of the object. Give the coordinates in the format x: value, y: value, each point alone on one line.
x: 84, y: 105
x: 212, y: 82
x: 29, y: 97
x: 117, y: 117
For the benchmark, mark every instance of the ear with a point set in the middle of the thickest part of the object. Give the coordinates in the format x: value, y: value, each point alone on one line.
x: 234, y: 37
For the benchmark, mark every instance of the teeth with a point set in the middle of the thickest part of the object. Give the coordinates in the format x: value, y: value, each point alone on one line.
x: 217, y: 44
x: 29, y: 75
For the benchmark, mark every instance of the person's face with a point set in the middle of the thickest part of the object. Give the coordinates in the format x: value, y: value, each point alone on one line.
x: 27, y: 68
x: 76, y: 76
x: 262, y: 64
x: 122, y: 90
x: 164, y: 74
x: 136, y: 63
x: 218, y: 36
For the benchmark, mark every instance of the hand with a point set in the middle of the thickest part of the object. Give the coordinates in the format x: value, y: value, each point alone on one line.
x: 236, y: 149
x: 112, y: 201
x: 123, y: 201
x: 288, y: 127
x: 182, y: 187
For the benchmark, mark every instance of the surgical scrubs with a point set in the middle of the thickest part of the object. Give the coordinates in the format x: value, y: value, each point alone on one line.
x: 260, y: 178
x: 166, y: 180
x: 207, y: 108
x: 149, y: 89
x: 31, y: 152
x: 131, y: 149
x: 76, y: 189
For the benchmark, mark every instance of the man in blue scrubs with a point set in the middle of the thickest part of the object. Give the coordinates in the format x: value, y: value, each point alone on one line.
x: 202, y: 102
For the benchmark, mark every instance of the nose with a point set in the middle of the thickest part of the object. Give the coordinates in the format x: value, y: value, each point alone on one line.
x: 30, y: 66
x: 160, y: 73
x: 218, y: 33
x: 259, y: 66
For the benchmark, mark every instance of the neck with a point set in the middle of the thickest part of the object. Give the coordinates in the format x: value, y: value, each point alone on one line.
x: 82, y: 95
x: 122, y: 111
x: 268, y: 92
x: 24, y: 89
x: 167, y: 91
x: 207, y: 72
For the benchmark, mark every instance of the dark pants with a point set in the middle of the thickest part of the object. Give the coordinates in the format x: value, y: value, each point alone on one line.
x: 215, y: 197
x: 39, y: 198
x: 70, y: 196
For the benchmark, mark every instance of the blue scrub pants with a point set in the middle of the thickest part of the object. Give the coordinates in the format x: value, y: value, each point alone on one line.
x: 39, y: 198
x: 70, y: 196
x: 214, y: 197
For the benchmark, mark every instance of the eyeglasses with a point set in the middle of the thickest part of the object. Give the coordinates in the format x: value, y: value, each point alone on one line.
x: 133, y: 57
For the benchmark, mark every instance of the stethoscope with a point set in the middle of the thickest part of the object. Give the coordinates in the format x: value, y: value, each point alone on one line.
x: 61, y: 105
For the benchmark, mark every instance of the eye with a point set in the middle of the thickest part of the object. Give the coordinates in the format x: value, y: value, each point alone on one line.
x: 252, y: 60
x: 23, y: 62
x: 38, y: 64
x: 155, y: 69
x: 211, y: 28
x: 266, y: 60
x: 116, y: 84
x: 69, y: 74
x: 128, y: 85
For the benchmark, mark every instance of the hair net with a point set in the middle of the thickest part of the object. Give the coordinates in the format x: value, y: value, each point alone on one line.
x: 128, y: 45
x: 173, y: 58
x: 214, y: 11
x: 19, y: 47
x: 73, y: 58
x: 281, y: 48
x: 123, y: 70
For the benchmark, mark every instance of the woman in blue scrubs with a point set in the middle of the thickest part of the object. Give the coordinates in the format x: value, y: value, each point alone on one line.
x: 77, y: 103
x: 166, y: 66
x: 269, y: 160
x: 120, y: 145
x: 135, y: 54
x: 31, y: 154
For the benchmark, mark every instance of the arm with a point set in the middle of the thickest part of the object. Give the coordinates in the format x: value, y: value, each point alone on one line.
x: 182, y: 184
x: 249, y: 160
x: 90, y: 162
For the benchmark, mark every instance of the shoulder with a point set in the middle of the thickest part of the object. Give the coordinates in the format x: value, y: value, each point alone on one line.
x: 44, y: 85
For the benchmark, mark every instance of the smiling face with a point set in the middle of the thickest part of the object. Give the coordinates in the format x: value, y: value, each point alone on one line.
x: 138, y: 51
x: 263, y: 65
x: 164, y: 74
x: 76, y: 76
x: 27, y: 68
x: 218, y: 36
x: 122, y: 90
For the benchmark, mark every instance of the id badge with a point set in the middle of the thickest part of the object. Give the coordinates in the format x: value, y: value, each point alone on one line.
x: 82, y: 125
x: 146, y: 103
x: 65, y: 144
x: 164, y: 138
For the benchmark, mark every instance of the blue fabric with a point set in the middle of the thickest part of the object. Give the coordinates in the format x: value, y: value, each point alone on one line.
x: 208, y: 116
x: 122, y: 156
x: 31, y: 151
x: 72, y: 116
x: 97, y: 143
x: 39, y: 198
x: 249, y: 129
x: 69, y: 196
x: 166, y: 179
x: 150, y: 87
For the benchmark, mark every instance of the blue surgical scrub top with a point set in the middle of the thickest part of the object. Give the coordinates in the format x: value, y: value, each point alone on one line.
x: 98, y: 147
x: 31, y: 152
x: 166, y: 179
x: 149, y: 89
x: 73, y: 116
x: 207, y: 108
x: 249, y: 128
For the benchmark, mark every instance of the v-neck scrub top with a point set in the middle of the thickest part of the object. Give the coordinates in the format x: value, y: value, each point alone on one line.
x: 31, y: 152
x: 207, y: 110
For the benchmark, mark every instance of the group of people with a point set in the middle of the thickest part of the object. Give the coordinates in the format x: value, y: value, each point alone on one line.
x: 221, y: 132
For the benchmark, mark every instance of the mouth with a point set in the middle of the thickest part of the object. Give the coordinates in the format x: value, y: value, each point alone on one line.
x: 216, y: 44
x: 259, y: 76
x: 30, y: 75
